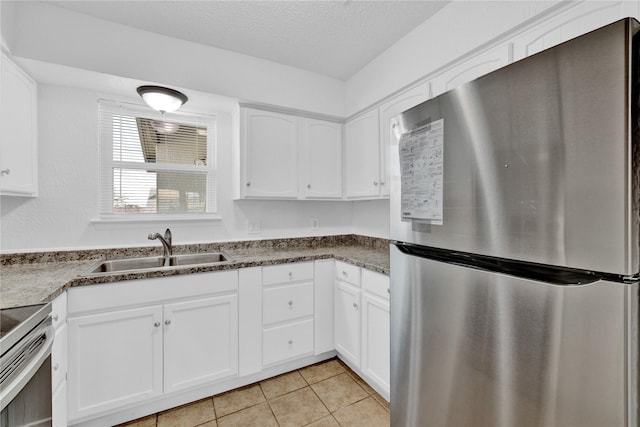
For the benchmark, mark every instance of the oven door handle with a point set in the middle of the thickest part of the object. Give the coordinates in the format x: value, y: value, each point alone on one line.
x: 20, y: 381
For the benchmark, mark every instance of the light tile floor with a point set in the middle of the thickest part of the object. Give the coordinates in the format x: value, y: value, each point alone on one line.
x: 327, y: 394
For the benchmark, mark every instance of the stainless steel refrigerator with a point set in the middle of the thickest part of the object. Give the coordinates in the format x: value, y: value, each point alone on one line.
x: 515, y: 258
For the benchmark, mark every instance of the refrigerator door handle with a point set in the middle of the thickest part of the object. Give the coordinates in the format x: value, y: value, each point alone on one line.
x: 561, y: 276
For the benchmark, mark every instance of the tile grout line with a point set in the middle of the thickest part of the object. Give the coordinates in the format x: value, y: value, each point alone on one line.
x: 269, y: 405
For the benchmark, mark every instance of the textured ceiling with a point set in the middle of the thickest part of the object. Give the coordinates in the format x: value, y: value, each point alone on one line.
x: 333, y: 38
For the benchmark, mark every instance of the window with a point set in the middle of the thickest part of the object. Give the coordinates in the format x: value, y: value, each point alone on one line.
x: 155, y: 165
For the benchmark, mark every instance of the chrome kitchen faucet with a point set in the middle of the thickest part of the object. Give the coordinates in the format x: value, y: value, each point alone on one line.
x: 166, y: 244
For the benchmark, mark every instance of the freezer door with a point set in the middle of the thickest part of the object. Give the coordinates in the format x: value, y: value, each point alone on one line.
x: 538, y: 159
x: 476, y: 348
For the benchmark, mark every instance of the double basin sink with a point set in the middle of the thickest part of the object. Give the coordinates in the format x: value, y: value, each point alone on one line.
x: 126, y: 265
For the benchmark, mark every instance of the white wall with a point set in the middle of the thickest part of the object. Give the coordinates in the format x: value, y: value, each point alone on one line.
x: 61, y: 217
x: 458, y: 28
x: 52, y: 34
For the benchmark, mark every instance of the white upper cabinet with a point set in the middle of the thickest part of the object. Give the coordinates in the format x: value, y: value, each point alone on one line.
x: 18, y: 131
x: 269, y: 154
x: 572, y: 22
x: 393, y: 107
x: 472, y: 68
x: 285, y: 156
x: 362, y: 156
x: 321, y: 160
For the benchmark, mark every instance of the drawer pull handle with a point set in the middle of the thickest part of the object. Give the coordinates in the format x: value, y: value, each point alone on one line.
x: 156, y: 324
x: 167, y: 322
x: 290, y: 303
x: 290, y: 342
x: 355, y: 305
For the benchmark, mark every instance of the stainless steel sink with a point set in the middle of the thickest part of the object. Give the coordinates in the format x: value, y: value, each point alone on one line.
x: 154, y: 262
x: 202, y: 258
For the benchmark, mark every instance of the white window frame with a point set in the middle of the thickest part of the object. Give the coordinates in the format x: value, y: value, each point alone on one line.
x: 107, y: 163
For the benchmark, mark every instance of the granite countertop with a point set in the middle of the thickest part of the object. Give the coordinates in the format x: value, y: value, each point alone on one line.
x: 35, y: 278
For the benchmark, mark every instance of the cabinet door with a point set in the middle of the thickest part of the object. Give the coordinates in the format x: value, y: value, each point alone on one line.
x: 389, y: 109
x: 270, y: 154
x: 200, y: 341
x: 362, y: 156
x: 347, y: 322
x: 472, y: 68
x: 321, y: 160
x: 376, y: 348
x: 59, y: 406
x: 324, y: 301
x: 18, y: 131
x: 576, y: 20
x: 114, y: 359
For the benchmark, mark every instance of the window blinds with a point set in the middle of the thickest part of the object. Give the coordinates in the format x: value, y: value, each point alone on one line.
x: 155, y: 164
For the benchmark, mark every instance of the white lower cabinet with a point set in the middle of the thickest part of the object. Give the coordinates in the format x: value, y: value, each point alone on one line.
x: 115, y: 359
x: 200, y: 341
x: 287, y: 312
x: 376, y: 346
x: 347, y: 322
x: 59, y: 362
x: 362, y: 328
x: 148, y: 341
x: 176, y: 337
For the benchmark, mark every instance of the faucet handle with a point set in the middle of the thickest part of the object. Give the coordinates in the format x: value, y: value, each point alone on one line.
x: 151, y: 236
x: 167, y: 236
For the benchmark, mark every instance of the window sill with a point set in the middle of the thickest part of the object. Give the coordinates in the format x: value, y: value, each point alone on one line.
x: 147, y: 219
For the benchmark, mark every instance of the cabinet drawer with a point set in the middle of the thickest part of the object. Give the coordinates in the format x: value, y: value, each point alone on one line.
x: 59, y: 357
x: 285, y: 273
x: 287, y: 302
x: 348, y: 273
x: 375, y: 283
x: 287, y: 341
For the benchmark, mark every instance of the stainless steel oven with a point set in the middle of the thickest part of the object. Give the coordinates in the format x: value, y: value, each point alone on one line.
x: 26, y: 336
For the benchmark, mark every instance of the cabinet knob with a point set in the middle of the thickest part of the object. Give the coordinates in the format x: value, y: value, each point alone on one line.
x: 375, y: 182
x: 4, y: 172
x: 248, y: 184
x: 381, y: 182
x: 290, y: 275
x: 157, y: 324
x: 344, y: 273
x: 309, y: 186
x: 55, y: 317
x: 290, y: 342
x: 388, y: 291
x: 290, y: 303
x: 355, y: 305
x: 167, y: 322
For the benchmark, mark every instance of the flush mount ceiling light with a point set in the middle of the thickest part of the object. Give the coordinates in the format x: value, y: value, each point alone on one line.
x: 161, y: 98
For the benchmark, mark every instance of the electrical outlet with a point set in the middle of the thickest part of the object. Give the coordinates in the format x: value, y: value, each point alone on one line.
x: 254, y: 227
x: 314, y: 223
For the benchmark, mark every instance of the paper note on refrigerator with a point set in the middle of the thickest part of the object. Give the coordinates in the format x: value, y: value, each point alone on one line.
x: 421, y: 169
